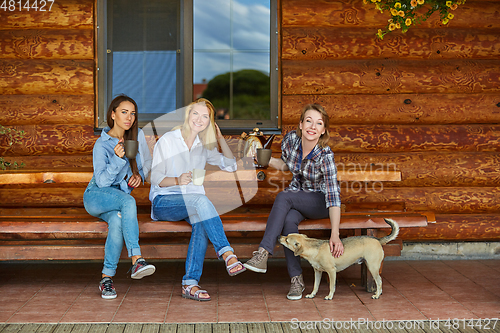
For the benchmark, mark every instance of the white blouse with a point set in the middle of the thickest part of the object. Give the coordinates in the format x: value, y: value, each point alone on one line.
x: 172, y: 157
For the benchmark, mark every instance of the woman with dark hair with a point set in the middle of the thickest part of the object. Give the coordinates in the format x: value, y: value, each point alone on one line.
x: 313, y: 193
x: 174, y: 197
x: 108, y: 194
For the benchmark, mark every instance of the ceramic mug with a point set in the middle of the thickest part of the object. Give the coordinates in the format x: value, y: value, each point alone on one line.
x: 263, y: 156
x: 198, y: 176
x: 131, y: 147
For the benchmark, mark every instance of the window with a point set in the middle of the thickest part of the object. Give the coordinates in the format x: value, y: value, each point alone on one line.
x: 165, y: 53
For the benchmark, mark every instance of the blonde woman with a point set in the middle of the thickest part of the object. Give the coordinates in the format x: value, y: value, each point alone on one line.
x: 174, y: 197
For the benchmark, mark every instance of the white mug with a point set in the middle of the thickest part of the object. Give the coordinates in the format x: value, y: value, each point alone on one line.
x: 198, y: 176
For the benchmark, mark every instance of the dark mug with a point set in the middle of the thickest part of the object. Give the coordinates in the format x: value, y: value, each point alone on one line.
x: 263, y: 156
x: 131, y: 147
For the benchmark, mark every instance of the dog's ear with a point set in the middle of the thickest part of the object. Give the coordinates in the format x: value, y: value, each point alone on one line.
x: 297, y: 249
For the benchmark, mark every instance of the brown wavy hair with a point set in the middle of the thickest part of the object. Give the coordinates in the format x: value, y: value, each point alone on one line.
x: 325, y: 137
x: 130, y: 134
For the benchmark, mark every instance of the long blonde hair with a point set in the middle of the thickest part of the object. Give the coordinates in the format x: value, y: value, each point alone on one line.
x: 207, y: 136
x: 325, y: 137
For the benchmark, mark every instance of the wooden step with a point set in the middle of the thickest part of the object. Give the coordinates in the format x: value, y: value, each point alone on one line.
x: 38, y: 228
x: 149, y: 251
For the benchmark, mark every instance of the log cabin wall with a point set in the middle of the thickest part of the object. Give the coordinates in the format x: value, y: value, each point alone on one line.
x: 426, y: 103
x: 47, y: 84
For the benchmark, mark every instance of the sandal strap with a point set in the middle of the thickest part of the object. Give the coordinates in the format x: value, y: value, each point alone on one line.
x: 198, y: 292
x: 188, y: 288
x: 229, y: 257
x: 230, y: 267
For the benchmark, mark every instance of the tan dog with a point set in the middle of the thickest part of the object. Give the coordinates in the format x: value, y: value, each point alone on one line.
x: 317, y: 252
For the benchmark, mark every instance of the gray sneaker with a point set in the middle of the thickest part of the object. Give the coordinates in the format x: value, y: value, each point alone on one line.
x: 258, y: 263
x: 141, y: 269
x: 296, y: 288
x: 107, y: 289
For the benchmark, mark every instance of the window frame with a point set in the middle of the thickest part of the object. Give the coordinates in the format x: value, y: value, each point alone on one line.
x: 185, y: 72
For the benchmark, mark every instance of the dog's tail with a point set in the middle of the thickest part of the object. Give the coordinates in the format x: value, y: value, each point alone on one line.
x: 394, y: 233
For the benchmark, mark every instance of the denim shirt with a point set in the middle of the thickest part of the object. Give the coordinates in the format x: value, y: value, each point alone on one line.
x: 111, y: 170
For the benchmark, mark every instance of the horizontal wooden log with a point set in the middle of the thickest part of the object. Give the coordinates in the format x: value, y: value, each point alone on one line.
x: 47, y: 44
x: 54, y: 162
x: 457, y: 227
x: 407, y: 138
x: 430, y: 169
x: 46, y: 109
x: 95, y: 228
x: 75, y: 14
x: 51, y: 77
x: 354, y: 14
x: 77, y: 139
x: 398, y: 108
x: 316, y: 43
x: 261, y: 211
x: 441, y: 200
x: 213, y: 179
x: 51, y: 140
x: 390, y: 76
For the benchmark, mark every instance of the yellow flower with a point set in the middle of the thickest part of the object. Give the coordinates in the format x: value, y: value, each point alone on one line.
x: 380, y: 34
x: 420, y: 2
x: 392, y: 26
x: 450, y: 16
x: 408, y: 21
x: 401, y: 13
x: 445, y: 21
x: 394, y: 12
x: 414, y: 3
x: 377, y: 6
x: 398, y: 25
x: 454, y: 6
x: 397, y: 5
x: 448, y: 3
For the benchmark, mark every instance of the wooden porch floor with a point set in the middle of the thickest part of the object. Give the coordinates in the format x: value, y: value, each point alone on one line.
x: 63, y: 297
x: 390, y: 327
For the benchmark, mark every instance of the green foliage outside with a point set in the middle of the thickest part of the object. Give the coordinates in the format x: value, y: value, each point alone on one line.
x: 251, y: 94
x: 11, y: 136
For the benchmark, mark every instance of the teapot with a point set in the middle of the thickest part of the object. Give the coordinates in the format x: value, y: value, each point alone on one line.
x: 253, y: 141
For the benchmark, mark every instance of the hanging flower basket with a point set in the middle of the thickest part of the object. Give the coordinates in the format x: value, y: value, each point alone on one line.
x: 406, y: 13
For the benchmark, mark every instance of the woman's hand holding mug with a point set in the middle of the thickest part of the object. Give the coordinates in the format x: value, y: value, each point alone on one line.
x: 119, y: 149
x: 185, y: 178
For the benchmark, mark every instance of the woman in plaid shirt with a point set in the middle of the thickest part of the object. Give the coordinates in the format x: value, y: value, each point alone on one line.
x: 313, y: 193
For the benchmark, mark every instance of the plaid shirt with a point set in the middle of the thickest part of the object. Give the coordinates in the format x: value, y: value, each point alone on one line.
x: 317, y: 172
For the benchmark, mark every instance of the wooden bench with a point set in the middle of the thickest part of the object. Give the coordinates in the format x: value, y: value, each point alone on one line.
x: 55, y: 232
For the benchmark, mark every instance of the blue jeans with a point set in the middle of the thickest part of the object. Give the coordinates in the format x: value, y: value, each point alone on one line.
x: 289, y: 209
x: 206, y: 225
x: 119, y: 210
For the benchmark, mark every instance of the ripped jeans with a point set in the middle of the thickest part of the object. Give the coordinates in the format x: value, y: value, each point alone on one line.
x: 119, y: 210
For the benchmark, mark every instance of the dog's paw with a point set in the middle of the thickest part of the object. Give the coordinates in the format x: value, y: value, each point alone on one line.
x: 375, y: 297
x: 328, y: 298
x: 310, y: 295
